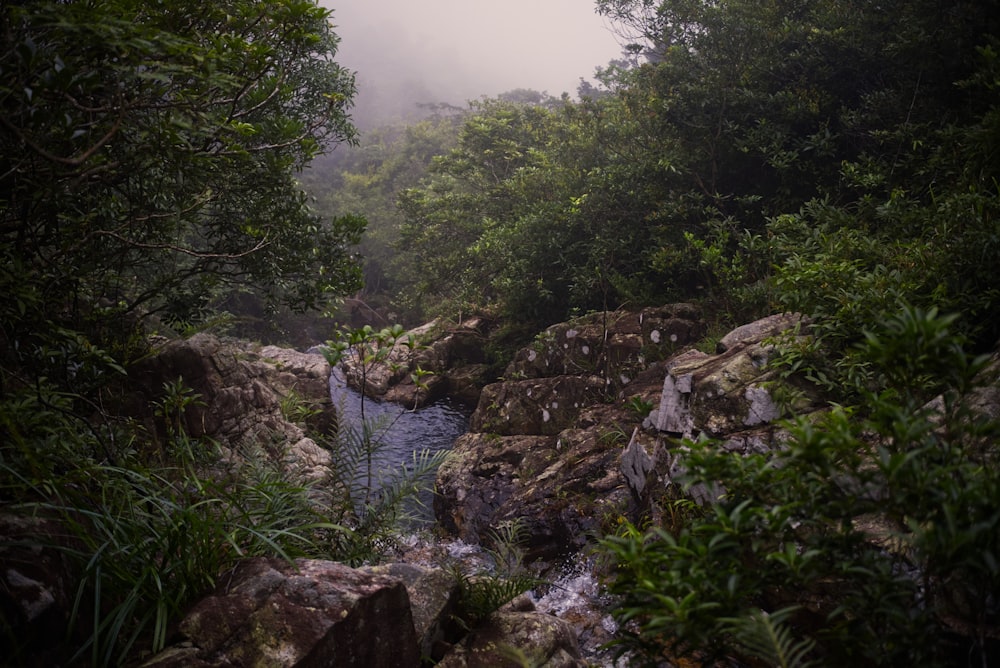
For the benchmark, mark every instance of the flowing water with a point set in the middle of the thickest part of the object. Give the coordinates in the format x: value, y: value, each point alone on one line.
x: 574, y: 593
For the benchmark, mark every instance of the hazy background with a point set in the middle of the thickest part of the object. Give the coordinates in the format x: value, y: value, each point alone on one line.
x: 449, y: 51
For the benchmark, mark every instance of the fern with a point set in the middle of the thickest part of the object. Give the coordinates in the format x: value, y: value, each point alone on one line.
x: 767, y: 637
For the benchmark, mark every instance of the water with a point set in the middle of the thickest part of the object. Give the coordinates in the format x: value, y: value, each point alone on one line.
x: 574, y: 593
x: 402, y: 433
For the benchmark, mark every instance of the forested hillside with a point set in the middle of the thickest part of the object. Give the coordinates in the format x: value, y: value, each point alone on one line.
x: 828, y: 157
x: 839, y: 159
x: 147, y: 162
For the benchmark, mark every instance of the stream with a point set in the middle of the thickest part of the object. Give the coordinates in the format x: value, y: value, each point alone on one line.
x: 574, y: 594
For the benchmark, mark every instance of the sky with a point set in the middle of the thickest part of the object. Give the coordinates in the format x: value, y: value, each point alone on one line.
x: 431, y: 51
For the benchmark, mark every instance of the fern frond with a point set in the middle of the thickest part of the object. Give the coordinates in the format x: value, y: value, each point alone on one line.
x: 767, y: 637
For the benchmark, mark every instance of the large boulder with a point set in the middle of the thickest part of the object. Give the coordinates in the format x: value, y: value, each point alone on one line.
x: 535, y: 406
x: 453, y: 354
x: 560, y: 489
x: 613, y: 343
x: 718, y: 395
x: 434, y: 599
x: 565, y: 457
x: 269, y: 612
x: 243, y: 396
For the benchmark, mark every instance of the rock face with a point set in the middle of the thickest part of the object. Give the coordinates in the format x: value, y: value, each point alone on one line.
x: 566, y: 451
x: 310, y: 613
x: 545, y: 445
x: 540, y: 639
x: 270, y: 612
x: 729, y: 393
x: 453, y: 354
x: 244, y: 395
x: 621, y: 341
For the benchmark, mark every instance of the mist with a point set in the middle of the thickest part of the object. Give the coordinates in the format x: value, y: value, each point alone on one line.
x: 408, y: 53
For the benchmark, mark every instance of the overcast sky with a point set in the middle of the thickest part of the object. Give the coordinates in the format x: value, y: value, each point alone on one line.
x: 456, y: 50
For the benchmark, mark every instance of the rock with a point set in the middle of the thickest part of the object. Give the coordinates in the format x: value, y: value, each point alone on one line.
x: 37, y: 587
x: 303, y: 377
x: 757, y: 331
x: 722, y: 394
x: 636, y: 465
x: 240, y: 396
x: 453, y: 354
x: 534, y: 406
x: 619, y: 340
x: 481, y: 475
x: 304, y: 614
x: 466, y: 383
x: 558, y: 489
x: 514, y: 639
x: 433, y: 595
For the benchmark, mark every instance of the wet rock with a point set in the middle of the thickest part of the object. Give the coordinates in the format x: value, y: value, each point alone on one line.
x: 452, y: 354
x: 304, y: 614
x: 481, y: 475
x: 433, y: 595
x: 559, y: 489
x: 514, y: 639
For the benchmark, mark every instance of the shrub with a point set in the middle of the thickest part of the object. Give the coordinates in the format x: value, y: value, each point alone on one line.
x: 872, y: 539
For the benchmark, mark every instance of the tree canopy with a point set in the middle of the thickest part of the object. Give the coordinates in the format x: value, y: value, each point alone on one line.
x: 757, y: 153
x: 148, y: 158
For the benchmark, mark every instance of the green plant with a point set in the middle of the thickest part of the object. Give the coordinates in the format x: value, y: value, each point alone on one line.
x: 366, y: 348
x: 374, y: 508
x: 639, y: 406
x: 766, y: 637
x: 298, y: 409
x: 873, y: 537
x: 482, y: 594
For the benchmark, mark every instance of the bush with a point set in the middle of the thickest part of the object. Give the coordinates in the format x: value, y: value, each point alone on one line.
x: 872, y: 539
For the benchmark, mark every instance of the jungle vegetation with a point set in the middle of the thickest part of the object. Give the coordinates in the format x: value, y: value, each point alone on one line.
x: 839, y: 159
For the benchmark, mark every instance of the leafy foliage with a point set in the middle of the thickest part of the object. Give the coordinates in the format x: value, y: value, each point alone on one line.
x: 872, y: 537
x: 482, y: 594
x: 149, y: 152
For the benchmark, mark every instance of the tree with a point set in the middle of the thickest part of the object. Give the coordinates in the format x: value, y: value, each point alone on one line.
x: 149, y: 152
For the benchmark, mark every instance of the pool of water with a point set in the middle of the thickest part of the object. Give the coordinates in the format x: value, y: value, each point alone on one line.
x: 401, y: 433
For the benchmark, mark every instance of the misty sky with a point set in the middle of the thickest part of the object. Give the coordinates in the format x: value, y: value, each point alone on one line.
x: 456, y: 50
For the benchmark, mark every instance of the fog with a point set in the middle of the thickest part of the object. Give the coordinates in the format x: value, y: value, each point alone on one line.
x: 410, y: 52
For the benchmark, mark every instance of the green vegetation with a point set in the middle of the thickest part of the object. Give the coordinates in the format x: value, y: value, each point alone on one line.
x: 818, y: 157
x: 834, y: 159
x: 837, y: 159
x: 872, y: 539
x: 149, y: 153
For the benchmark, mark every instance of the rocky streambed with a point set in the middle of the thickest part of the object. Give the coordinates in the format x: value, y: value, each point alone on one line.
x: 578, y: 434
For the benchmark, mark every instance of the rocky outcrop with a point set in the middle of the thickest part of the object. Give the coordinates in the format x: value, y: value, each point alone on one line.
x: 615, y: 345
x: 545, y: 444
x: 731, y: 391
x: 433, y: 595
x: 536, y: 405
x: 513, y: 639
x: 270, y: 612
x: 308, y: 613
x: 453, y: 354
x: 244, y: 396
x: 565, y: 457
